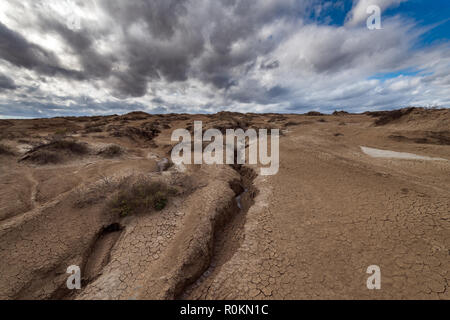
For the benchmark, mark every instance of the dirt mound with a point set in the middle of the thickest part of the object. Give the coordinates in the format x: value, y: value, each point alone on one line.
x: 314, y: 113
x: 413, y: 118
x: 133, y: 133
x: 111, y: 151
x: 136, y: 115
x: 340, y: 113
x: 427, y: 137
x: 55, y: 152
x: 386, y: 117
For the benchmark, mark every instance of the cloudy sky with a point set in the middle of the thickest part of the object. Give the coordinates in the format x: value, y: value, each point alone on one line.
x: 84, y: 57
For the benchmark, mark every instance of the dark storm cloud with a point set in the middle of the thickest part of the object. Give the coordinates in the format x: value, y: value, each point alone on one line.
x: 15, y: 49
x: 82, y: 44
x: 6, y: 83
x: 270, y: 65
x: 160, y: 16
x: 252, y: 92
x: 165, y: 49
x: 240, y: 21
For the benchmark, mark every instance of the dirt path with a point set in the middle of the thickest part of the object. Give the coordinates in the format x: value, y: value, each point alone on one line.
x: 34, y: 188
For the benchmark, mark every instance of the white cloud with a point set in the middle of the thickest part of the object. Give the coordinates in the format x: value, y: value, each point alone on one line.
x: 211, y: 56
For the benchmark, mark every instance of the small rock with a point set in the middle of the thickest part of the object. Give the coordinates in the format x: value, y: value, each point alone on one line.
x: 163, y: 164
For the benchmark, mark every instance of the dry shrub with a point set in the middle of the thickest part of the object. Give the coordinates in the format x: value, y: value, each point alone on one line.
x: 340, y: 113
x: 93, y: 129
x: 87, y: 196
x: 71, y: 146
x: 133, y: 133
x: 111, y: 151
x: 314, y: 113
x: 44, y: 157
x: 144, y: 195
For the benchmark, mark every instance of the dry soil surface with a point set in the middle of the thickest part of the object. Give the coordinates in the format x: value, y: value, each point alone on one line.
x: 227, y: 232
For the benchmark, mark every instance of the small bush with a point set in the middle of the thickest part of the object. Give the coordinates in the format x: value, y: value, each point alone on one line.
x: 314, y: 113
x: 61, y: 132
x: 111, y: 151
x: 133, y: 133
x: 89, y: 195
x: 93, y: 130
x: 44, y: 157
x: 143, y: 195
x: 340, y: 113
x: 67, y: 145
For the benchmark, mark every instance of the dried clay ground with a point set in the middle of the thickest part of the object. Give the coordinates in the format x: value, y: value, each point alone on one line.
x: 225, y: 232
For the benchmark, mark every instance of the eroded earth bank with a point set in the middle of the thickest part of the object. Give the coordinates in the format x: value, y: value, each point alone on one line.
x: 100, y: 193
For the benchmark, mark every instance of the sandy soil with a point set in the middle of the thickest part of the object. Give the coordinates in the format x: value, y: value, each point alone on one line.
x: 308, y: 232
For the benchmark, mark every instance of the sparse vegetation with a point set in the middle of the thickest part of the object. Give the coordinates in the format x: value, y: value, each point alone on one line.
x: 65, y: 145
x: 61, y: 132
x: 87, y: 196
x: 93, y: 130
x: 314, y: 113
x: 427, y: 137
x: 133, y: 133
x: 143, y: 195
x: 111, y: 151
x: 386, y: 117
x: 95, y: 127
x: 44, y: 157
x: 136, y: 115
x: 340, y: 113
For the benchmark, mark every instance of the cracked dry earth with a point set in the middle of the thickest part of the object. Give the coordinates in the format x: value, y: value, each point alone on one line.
x: 308, y: 232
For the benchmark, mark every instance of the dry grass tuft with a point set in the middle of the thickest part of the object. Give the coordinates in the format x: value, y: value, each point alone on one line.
x: 142, y: 196
x: 44, y: 157
x: 111, y: 151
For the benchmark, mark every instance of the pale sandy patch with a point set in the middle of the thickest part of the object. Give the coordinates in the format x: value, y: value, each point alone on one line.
x: 379, y: 153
